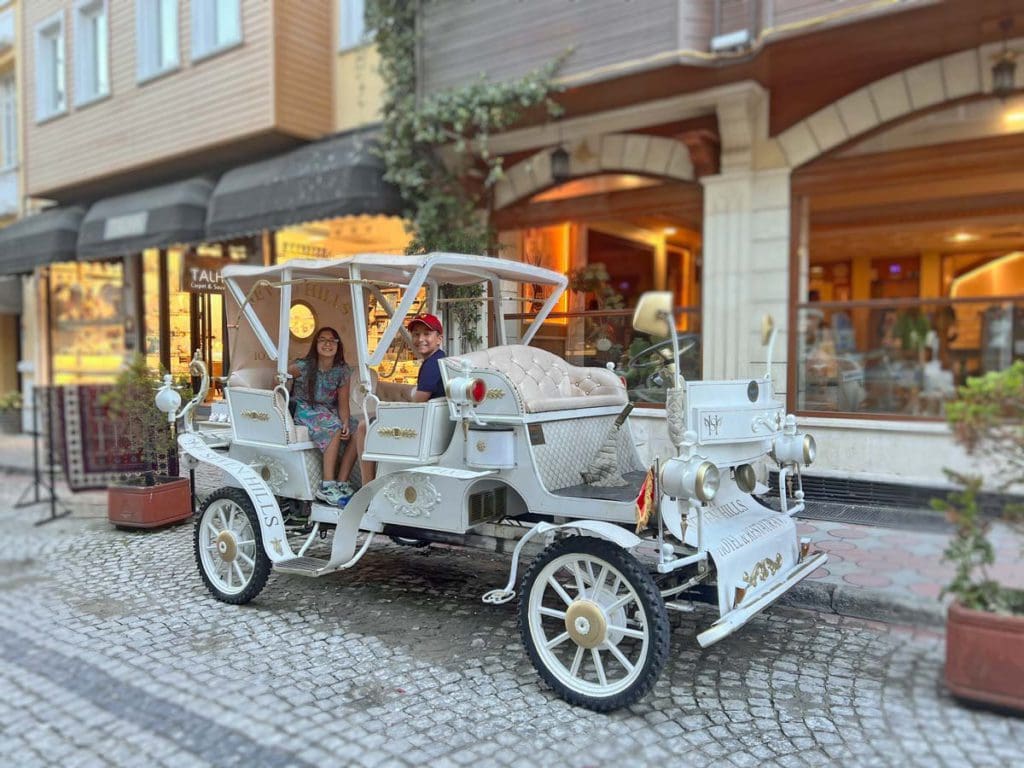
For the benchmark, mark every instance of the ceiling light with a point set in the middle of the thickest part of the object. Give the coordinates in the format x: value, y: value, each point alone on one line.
x: 963, y: 237
x: 1014, y: 117
x: 670, y: 230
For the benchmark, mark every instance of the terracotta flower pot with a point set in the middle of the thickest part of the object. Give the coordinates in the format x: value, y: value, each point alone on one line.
x: 140, y: 506
x: 985, y: 657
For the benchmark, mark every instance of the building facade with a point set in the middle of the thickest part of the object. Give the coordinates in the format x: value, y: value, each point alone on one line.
x: 165, y: 138
x: 846, y: 168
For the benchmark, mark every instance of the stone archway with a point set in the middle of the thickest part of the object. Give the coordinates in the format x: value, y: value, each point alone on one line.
x: 609, y: 153
x: 949, y: 78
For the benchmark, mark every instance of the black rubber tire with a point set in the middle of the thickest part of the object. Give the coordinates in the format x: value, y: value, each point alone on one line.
x: 262, y: 568
x: 405, y: 541
x: 650, y: 601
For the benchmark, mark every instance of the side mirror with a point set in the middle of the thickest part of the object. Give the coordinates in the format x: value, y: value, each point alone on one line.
x: 767, y: 326
x: 653, y: 313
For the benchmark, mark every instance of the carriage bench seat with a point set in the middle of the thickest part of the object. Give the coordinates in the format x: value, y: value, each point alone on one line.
x: 544, y: 382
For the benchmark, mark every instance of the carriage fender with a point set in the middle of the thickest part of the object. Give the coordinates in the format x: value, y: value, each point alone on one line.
x: 609, y: 531
x: 275, y: 541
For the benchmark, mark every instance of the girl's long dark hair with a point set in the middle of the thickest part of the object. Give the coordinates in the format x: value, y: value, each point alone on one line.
x: 313, y: 361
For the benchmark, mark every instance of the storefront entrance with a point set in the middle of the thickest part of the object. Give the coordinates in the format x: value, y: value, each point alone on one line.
x: 615, y: 236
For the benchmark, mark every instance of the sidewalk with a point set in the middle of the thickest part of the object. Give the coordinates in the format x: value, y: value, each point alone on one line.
x: 873, y: 572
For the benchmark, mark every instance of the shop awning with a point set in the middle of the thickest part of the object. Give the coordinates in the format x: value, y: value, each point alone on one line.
x: 339, y: 176
x: 40, y: 239
x: 172, y: 214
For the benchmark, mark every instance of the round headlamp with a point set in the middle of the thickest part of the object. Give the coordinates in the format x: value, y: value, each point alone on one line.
x: 690, y: 478
x: 745, y: 477
x: 810, y: 450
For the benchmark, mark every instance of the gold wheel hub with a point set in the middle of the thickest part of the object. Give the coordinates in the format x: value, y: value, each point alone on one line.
x: 227, y: 548
x: 586, y: 624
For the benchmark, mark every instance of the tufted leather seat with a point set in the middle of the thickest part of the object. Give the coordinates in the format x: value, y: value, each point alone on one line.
x: 545, y: 382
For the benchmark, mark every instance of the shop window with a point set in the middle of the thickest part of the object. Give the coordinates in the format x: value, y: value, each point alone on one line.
x: 216, y: 25
x: 87, y: 323
x: 92, y: 51
x: 156, y: 47
x: 351, y: 23
x: 8, y: 123
x: 608, y: 272
x: 51, y: 89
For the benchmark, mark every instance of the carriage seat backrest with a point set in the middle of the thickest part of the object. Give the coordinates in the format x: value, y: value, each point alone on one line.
x: 545, y: 382
x: 261, y: 415
x: 386, y: 391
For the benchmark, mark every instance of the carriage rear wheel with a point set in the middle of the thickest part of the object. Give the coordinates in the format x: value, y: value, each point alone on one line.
x: 229, y: 547
x: 594, y: 623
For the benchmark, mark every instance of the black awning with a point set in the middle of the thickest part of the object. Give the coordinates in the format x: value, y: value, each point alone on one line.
x: 172, y: 214
x: 340, y: 176
x: 40, y: 239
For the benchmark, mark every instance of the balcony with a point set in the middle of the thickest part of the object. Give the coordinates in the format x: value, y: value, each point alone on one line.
x: 6, y: 30
x: 9, y: 192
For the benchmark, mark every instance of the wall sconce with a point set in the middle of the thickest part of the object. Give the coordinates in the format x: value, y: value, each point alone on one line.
x: 559, y: 164
x: 1004, y: 71
x: 1004, y: 74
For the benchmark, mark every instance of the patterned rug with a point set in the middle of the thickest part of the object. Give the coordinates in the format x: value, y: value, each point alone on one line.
x: 93, y: 448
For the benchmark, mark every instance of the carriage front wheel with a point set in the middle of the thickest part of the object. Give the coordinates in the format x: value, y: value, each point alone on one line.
x: 229, y: 547
x: 594, y: 623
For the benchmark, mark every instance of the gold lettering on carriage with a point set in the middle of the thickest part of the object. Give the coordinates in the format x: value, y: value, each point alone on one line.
x: 763, y: 570
x: 494, y: 394
x: 397, y: 433
x: 751, y: 533
x: 257, y: 415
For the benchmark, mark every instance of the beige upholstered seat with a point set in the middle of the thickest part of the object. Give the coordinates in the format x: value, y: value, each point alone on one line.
x: 544, y: 382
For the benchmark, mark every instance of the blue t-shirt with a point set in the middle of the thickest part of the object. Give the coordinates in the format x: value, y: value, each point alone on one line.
x: 429, y: 378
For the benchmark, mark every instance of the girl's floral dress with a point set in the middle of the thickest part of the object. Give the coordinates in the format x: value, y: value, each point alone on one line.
x: 320, y: 416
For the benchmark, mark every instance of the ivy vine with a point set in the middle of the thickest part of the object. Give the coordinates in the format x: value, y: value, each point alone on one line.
x: 447, y: 201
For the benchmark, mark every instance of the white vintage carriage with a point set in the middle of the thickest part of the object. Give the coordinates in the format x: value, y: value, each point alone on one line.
x: 526, y: 453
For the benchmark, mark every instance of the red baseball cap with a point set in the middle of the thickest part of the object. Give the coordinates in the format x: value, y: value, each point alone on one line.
x: 428, y: 320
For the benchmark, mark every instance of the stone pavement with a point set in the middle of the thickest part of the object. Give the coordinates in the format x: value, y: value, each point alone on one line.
x: 873, y: 572
x: 113, y: 653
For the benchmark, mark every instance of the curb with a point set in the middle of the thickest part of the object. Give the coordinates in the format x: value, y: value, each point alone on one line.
x: 866, y: 603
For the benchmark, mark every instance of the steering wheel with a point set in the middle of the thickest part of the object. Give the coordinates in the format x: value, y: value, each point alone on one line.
x: 654, y: 365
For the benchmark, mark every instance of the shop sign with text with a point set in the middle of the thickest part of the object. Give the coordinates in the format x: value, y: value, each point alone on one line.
x: 202, y: 274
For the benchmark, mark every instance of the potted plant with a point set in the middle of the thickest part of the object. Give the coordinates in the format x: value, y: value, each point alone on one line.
x: 10, y: 412
x: 985, y: 624
x: 149, y: 494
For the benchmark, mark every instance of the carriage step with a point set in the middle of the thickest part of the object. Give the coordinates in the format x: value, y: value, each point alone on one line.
x: 302, y: 566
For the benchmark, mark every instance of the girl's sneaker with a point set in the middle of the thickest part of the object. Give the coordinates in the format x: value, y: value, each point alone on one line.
x: 345, y: 491
x: 329, y: 492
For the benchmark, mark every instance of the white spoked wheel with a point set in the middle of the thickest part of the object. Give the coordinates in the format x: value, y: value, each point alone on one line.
x: 229, y: 548
x: 593, y: 623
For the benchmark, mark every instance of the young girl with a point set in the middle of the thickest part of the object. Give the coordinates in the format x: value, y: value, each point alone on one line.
x: 321, y: 394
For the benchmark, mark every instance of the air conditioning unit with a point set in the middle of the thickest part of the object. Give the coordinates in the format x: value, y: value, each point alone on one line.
x: 731, y: 41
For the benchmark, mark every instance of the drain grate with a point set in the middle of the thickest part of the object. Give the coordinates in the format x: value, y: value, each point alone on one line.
x: 886, y: 517
x: 894, y: 496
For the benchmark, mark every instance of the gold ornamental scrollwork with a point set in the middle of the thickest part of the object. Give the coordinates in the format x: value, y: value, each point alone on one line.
x: 398, y: 433
x: 763, y: 570
x: 494, y: 394
x: 257, y: 415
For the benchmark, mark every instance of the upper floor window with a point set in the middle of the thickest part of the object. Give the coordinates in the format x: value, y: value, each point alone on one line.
x: 216, y: 25
x: 51, y: 89
x: 351, y: 23
x: 92, y: 51
x: 8, y: 123
x: 157, y: 37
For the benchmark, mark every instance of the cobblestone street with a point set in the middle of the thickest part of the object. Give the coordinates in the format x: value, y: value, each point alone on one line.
x: 113, y: 653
